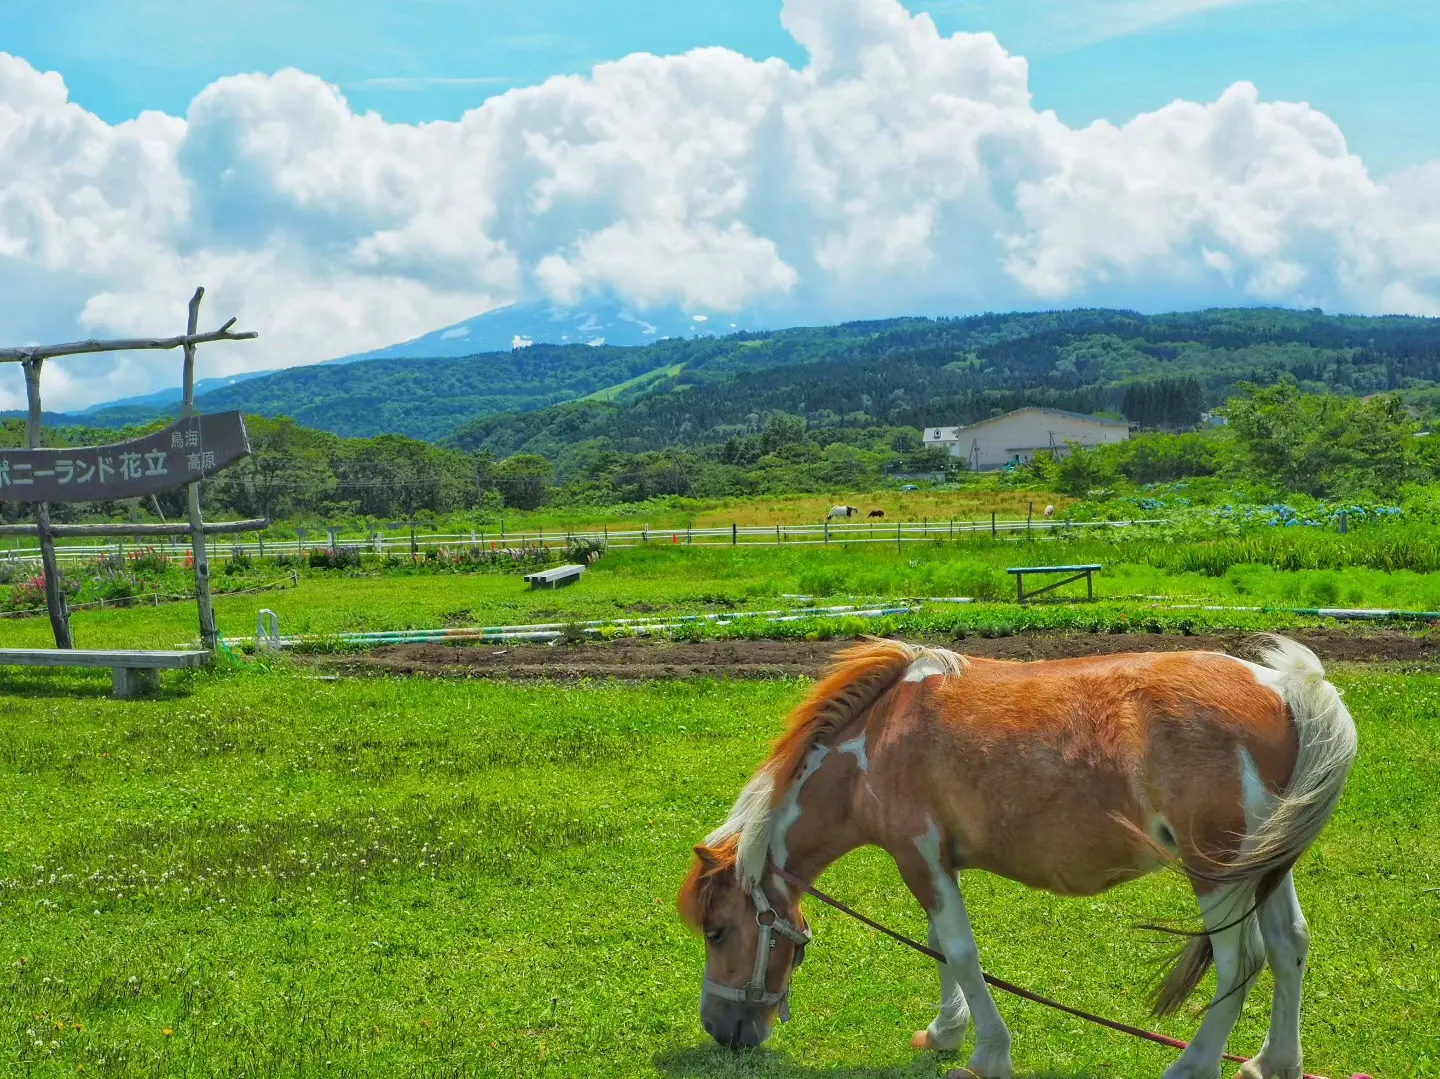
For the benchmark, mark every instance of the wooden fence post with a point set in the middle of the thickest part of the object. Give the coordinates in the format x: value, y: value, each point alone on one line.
x: 209, y: 635
x: 734, y: 534
x: 993, y: 533
x: 54, y: 596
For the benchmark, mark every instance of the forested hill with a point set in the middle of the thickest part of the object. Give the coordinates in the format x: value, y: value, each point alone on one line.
x: 908, y: 371
x: 917, y: 372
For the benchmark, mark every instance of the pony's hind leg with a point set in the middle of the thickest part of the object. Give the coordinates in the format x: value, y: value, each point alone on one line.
x: 947, y: 1030
x: 1236, y: 946
x: 1287, y: 941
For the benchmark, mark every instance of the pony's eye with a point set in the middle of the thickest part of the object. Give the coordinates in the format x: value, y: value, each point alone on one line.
x: 715, y: 935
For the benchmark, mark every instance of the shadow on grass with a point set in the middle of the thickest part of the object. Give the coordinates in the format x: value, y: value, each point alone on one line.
x: 86, y: 684
x: 706, y: 1061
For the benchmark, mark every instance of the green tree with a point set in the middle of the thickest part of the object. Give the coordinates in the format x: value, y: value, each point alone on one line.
x: 524, y: 480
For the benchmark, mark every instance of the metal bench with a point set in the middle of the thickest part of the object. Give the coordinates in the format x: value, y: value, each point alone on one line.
x: 1075, y: 572
x: 133, y: 672
x: 558, y: 577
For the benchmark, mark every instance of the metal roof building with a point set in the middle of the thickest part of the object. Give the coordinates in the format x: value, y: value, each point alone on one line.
x: 1017, y: 436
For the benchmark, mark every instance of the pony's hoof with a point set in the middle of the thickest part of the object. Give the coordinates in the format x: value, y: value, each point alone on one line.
x: 920, y: 1040
x: 1256, y: 1069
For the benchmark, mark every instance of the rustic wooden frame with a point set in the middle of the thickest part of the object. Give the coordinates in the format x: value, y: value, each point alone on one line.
x: 32, y: 358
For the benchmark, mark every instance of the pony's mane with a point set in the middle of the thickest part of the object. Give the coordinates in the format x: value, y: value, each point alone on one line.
x: 857, y: 679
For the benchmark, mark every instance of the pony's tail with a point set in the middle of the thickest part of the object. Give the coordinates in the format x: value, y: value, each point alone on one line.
x: 1326, y: 750
x: 1327, y: 744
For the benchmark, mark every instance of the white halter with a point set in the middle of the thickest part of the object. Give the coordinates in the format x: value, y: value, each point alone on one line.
x: 754, y: 991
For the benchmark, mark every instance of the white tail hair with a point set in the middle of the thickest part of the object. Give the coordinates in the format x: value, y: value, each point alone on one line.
x: 1327, y: 745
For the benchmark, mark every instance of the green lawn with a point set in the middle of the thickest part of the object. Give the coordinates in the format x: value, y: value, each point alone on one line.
x: 414, y: 877
x: 667, y: 578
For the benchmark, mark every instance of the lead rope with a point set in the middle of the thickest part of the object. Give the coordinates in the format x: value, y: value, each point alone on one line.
x: 1000, y: 983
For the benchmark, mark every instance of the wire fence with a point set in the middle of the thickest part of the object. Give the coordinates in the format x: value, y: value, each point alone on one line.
x: 500, y: 538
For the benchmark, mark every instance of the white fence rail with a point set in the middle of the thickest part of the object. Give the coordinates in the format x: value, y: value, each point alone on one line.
x: 897, y: 532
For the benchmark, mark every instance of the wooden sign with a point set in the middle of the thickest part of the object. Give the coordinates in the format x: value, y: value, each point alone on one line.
x: 187, y: 451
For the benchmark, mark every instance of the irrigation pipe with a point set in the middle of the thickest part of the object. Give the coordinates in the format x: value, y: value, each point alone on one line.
x: 547, y: 631
x: 550, y: 631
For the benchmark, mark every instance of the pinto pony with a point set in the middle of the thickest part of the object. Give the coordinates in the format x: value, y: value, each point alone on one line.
x: 1072, y: 776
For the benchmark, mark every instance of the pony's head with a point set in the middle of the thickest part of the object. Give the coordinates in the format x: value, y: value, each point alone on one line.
x: 754, y: 939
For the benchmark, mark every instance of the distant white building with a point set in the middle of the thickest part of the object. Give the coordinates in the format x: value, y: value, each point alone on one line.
x: 1015, y: 438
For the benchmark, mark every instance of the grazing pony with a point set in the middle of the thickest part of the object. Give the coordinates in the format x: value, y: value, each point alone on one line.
x: 841, y: 511
x: 1070, y: 775
x: 1049, y: 511
x: 876, y: 513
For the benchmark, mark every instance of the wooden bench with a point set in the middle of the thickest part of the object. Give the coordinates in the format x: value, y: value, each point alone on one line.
x: 1075, y: 574
x: 133, y: 672
x: 558, y: 577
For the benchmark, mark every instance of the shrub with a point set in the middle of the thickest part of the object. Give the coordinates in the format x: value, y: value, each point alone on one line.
x: 584, y: 549
x: 334, y: 558
x: 149, y: 560
x: 239, y: 561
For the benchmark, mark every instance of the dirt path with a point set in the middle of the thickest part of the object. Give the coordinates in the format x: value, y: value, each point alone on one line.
x: 645, y: 659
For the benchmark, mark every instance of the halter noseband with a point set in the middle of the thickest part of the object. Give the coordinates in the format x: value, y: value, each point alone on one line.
x: 754, y: 991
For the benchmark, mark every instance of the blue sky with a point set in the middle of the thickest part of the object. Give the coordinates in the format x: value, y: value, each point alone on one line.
x: 1369, y: 64
x: 345, y: 174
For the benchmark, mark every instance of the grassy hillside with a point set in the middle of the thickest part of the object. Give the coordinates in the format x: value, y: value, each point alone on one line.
x: 918, y: 372
x: 908, y: 371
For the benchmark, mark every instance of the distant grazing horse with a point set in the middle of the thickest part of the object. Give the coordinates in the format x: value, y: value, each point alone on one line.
x: 841, y: 511
x: 876, y: 513
x: 1049, y: 511
x: 1070, y: 775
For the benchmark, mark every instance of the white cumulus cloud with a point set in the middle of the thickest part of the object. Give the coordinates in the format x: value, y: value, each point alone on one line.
x: 898, y: 171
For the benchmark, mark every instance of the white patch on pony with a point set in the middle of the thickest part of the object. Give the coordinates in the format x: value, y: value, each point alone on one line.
x: 788, y: 811
x: 1268, y: 677
x: 932, y: 663
x: 856, y: 746
x: 1257, y: 800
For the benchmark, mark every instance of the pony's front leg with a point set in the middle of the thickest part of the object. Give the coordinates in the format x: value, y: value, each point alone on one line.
x: 947, y: 1031
x: 1235, y: 942
x: 931, y: 878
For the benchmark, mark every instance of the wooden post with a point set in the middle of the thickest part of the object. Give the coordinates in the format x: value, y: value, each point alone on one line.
x: 897, y: 537
x: 734, y: 534
x: 54, y: 597
x: 209, y: 636
x: 1029, y: 516
x: 993, y: 534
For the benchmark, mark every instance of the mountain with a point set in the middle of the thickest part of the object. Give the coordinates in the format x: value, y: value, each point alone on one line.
x: 148, y: 406
x: 543, y: 323
x: 916, y: 373
x: 503, y: 330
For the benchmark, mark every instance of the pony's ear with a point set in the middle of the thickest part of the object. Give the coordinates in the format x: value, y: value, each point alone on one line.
x: 706, y: 855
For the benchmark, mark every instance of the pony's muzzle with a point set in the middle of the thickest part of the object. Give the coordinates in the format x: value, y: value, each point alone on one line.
x: 734, y: 1029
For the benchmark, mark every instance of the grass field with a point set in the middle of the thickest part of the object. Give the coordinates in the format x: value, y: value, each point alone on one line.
x: 665, y: 578
x: 269, y: 875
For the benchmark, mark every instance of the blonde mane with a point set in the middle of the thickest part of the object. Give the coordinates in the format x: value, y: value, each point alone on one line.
x: 859, y: 677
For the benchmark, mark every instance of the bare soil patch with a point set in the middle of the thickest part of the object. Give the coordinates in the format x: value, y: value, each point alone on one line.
x: 642, y: 659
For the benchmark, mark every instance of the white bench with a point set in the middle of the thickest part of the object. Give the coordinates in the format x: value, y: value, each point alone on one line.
x: 133, y: 672
x: 558, y: 577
